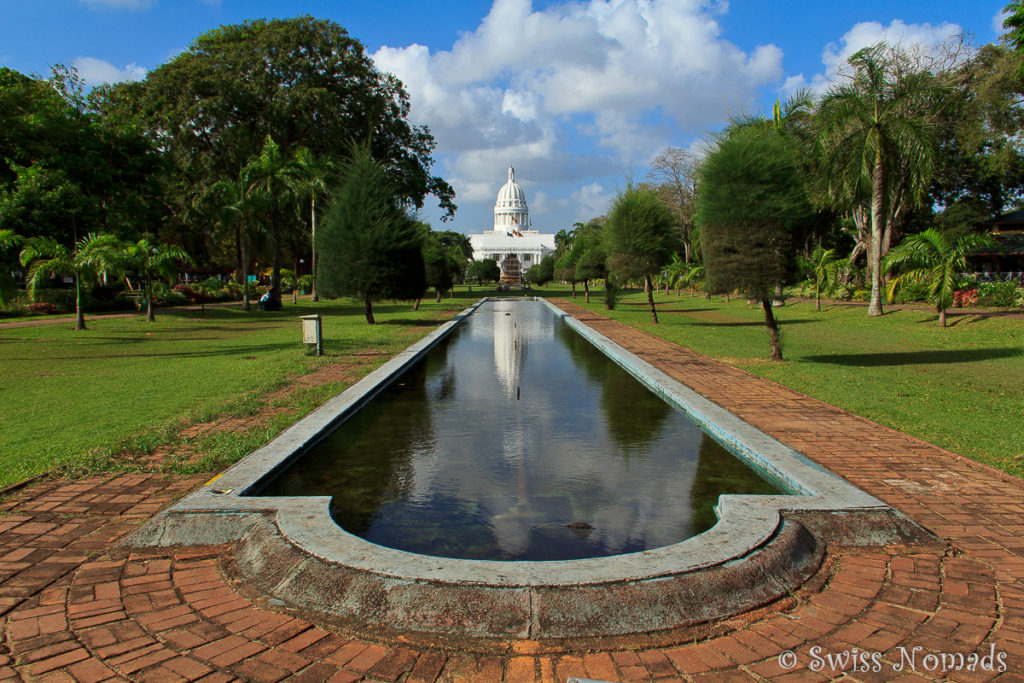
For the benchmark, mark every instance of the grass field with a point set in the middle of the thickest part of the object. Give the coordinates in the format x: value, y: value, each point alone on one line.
x: 961, y: 388
x: 73, y: 400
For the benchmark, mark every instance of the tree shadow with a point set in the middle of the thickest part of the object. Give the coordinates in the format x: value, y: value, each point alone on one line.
x: 206, y: 353
x: 915, y: 357
x: 756, y: 323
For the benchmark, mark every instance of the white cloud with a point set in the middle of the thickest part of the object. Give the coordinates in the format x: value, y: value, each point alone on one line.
x: 591, y: 201
x: 119, y: 4
x: 926, y: 38
x: 530, y: 87
x: 96, y: 71
x: 997, y: 22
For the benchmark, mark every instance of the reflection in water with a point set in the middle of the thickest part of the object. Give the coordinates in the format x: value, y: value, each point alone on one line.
x: 632, y: 418
x: 485, y: 451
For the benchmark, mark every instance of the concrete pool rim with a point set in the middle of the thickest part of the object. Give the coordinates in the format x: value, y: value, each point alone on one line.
x: 292, y: 549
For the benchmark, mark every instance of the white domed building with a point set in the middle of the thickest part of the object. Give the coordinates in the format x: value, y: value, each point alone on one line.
x: 512, y: 242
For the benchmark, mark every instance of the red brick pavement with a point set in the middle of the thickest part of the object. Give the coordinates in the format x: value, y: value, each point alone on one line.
x: 73, y: 609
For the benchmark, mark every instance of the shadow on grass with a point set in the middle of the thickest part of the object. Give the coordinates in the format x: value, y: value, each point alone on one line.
x: 241, y: 351
x: 757, y: 323
x: 915, y: 357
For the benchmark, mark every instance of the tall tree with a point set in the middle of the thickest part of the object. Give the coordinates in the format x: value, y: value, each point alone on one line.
x: 674, y: 173
x: 92, y: 254
x: 9, y: 242
x: 315, y: 177
x: 369, y: 247
x: 305, y: 82
x: 981, y: 169
x: 590, y: 255
x: 639, y: 238
x: 443, y: 263
x: 879, y: 128
x: 150, y: 260
x: 271, y: 181
x: 752, y: 201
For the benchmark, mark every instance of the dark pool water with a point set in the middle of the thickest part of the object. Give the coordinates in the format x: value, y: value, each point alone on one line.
x: 508, y: 431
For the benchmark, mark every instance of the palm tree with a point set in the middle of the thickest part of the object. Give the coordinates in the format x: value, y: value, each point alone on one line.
x: 153, y: 259
x: 271, y: 179
x: 93, y: 254
x: 877, y: 131
x: 675, y: 272
x: 932, y: 258
x: 822, y: 269
x: 315, y: 175
x: 9, y: 240
x: 235, y: 209
x: 693, y: 276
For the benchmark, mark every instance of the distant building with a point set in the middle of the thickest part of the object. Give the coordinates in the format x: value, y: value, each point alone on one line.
x: 1008, y: 229
x: 512, y: 242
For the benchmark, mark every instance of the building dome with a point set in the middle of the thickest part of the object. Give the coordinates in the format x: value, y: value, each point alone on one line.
x: 510, y: 210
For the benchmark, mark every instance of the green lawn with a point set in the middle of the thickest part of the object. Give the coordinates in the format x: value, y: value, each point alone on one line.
x: 961, y: 388
x: 70, y: 400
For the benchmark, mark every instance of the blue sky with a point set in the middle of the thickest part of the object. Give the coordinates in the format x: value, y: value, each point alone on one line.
x: 578, y: 95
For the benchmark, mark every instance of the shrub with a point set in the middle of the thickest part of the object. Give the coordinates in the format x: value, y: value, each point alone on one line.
x: 911, y: 292
x: 163, y: 295
x: 41, y: 308
x: 963, y: 298
x: 1003, y: 294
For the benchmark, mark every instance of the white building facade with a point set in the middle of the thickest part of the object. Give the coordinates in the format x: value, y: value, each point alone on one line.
x: 512, y: 241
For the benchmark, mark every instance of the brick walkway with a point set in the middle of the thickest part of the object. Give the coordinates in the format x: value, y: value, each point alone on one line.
x: 73, y: 609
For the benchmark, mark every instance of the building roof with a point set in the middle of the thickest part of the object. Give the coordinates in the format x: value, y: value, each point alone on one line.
x: 510, y: 194
x: 530, y: 241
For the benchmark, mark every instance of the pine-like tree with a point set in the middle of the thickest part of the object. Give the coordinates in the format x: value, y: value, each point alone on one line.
x: 369, y: 247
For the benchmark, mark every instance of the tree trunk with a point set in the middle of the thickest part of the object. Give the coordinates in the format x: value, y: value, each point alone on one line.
x: 416, y: 306
x: 573, y: 284
x: 239, y: 253
x: 79, y: 313
x: 149, y: 300
x: 778, y: 301
x: 438, y: 291
x: 773, y: 329
x: 295, y: 278
x: 586, y: 290
x: 942, y: 317
x: 245, y: 277
x: 817, y: 296
x: 368, y: 309
x: 312, y: 262
x: 650, y: 298
x: 875, y: 247
x: 275, y: 266
x: 727, y: 296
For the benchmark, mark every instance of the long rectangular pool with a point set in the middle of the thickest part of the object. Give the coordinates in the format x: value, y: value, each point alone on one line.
x: 517, y: 439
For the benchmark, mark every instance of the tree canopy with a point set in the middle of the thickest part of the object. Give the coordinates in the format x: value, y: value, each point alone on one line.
x: 639, y: 238
x: 751, y: 203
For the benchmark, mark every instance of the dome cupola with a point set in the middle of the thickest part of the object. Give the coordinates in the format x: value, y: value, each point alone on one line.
x: 510, y: 210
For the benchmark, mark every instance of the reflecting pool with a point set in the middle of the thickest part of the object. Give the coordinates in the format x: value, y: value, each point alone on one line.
x: 517, y: 439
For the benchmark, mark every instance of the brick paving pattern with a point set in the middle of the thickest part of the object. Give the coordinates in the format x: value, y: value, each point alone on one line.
x: 75, y: 608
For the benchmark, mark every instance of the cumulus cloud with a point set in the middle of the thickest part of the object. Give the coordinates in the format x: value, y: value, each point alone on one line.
x: 926, y: 38
x: 526, y: 83
x: 997, y: 22
x: 590, y: 201
x: 96, y: 71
